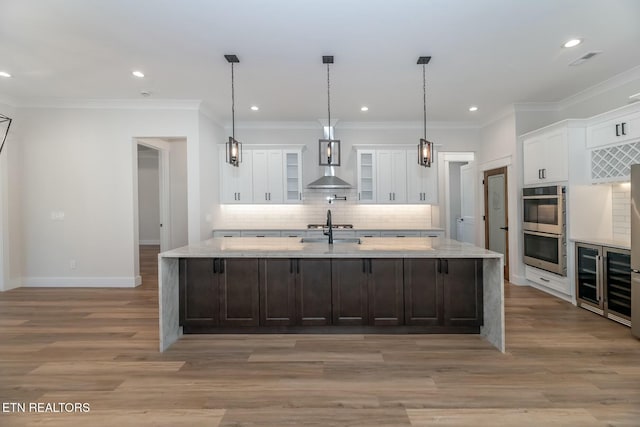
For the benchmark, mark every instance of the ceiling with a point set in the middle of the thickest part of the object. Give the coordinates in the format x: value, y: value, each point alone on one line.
x: 489, y: 53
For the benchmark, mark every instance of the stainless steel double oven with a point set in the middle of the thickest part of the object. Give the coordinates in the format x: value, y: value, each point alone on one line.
x: 544, y: 210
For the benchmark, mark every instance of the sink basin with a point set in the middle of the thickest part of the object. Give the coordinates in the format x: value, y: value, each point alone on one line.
x: 326, y: 240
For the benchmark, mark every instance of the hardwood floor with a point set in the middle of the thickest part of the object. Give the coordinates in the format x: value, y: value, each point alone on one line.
x: 564, y: 367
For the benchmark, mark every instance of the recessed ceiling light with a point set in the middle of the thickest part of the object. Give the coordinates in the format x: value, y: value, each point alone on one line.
x: 473, y: 108
x: 364, y: 108
x: 138, y: 73
x: 4, y: 74
x: 572, y: 43
x: 255, y: 108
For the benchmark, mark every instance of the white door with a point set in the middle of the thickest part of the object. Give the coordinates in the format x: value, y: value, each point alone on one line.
x: 366, y: 176
x: 260, y: 176
x: 467, y: 219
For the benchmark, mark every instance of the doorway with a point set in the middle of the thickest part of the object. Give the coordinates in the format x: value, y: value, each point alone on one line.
x: 149, y: 215
x: 496, y: 225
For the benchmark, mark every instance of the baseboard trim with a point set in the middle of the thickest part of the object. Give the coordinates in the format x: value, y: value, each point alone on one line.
x: 519, y: 280
x: 149, y: 242
x: 81, y: 282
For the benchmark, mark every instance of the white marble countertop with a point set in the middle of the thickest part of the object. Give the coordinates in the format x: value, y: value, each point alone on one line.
x: 618, y: 244
x: 371, y: 247
x: 311, y: 229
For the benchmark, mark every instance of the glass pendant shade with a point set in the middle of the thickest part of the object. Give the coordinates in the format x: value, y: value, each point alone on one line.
x: 425, y: 153
x: 234, y: 152
x: 329, y: 150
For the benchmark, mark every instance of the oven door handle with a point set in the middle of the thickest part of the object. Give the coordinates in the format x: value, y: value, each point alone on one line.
x: 541, y: 234
x: 546, y: 197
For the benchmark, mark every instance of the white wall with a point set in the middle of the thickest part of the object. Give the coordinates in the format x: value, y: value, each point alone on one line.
x: 10, y: 196
x: 148, y: 196
x: 211, y: 135
x: 178, y: 191
x: 81, y: 162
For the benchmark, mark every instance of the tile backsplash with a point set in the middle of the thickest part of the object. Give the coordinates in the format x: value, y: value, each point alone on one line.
x: 313, y: 210
x: 621, y: 205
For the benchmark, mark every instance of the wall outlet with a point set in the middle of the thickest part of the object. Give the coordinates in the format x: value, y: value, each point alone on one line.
x: 73, y: 264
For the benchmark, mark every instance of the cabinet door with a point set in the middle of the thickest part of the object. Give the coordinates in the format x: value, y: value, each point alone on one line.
x: 292, y: 176
x: 625, y: 128
x: 349, y: 291
x: 462, y: 291
x: 366, y: 162
x: 260, y: 176
x: 617, y: 282
x: 238, y: 278
x: 422, y: 293
x: 199, y: 292
x: 386, y: 305
x: 399, y: 176
x: 384, y: 176
x: 588, y: 282
x: 416, y: 177
x: 532, y: 152
x: 555, y: 162
x: 313, y: 292
x: 277, y: 292
x: 275, y: 177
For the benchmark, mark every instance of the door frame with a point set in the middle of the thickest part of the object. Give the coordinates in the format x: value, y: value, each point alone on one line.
x: 485, y: 183
x: 443, y: 177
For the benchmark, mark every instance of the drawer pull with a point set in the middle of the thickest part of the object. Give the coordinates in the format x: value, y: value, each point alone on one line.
x: 545, y: 280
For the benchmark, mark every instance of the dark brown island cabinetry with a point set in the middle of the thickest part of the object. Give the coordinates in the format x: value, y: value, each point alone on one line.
x: 315, y: 295
x: 367, y: 291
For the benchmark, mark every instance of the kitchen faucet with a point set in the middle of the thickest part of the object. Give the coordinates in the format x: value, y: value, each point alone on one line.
x: 330, y: 226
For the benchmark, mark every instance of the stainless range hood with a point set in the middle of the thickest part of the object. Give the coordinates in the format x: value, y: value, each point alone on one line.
x: 329, y: 181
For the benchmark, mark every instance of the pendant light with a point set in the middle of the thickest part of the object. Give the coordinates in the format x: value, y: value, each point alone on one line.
x: 425, y: 148
x: 329, y: 148
x: 7, y: 120
x: 234, y: 147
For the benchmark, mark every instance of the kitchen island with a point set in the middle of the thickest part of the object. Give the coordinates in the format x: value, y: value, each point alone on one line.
x: 376, y: 285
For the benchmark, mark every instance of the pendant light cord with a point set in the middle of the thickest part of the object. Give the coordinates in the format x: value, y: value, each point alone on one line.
x: 329, y: 103
x: 233, y: 107
x: 424, y: 98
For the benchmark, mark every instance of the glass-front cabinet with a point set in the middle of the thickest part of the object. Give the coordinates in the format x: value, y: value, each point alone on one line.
x: 603, y: 281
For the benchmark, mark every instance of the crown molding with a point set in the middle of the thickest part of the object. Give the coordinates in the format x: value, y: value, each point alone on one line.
x: 285, y: 125
x: 205, y: 110
x: 503, y: 114
x: 111, y: 104
x: 600, y: 88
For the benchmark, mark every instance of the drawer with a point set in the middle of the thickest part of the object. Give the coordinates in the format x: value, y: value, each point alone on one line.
x: 226, y: 233
x: 547, y: 279
x: 260, y: 233
x: 367, y: 233
x: 400, y: 233
x: 436, y: 233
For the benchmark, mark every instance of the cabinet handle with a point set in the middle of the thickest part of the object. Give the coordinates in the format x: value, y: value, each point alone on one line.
x: 269, y: 196
x: 389, y: 196
x: 624, y: 132
x: 539, y: 173
x: 298, y: 266
x: 544, y: 173
x: 221, y: 266
x: 238, y: 196
x: 364, y: 265
x: 215, y: 266
x: 618, y: 130
x: 291, y: 266
x: 370, y: 267
x: 358, y: 196
x: 394, y: 196
x: 598, y: 281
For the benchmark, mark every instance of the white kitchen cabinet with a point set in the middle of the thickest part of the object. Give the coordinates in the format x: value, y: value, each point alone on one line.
x: 260, y: 233
x: 268, y: 175
x: 400, y: 233
x: 625, y: 127
x: 422, y: 183
x: 292, y: 176
x: 366, y: 164
x: 546, y: 157
x: 432, y: 233
x: 391, y: 176
x: 236, y: 182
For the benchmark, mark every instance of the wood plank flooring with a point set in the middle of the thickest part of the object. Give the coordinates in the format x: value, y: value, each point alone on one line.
x: 564, y: 367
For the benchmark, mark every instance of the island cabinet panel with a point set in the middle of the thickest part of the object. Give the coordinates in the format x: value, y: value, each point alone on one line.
x: 199, y: 293
x: 349, y: 288
x: 385, y: 289
x: 462, y: 290
x: 313, y: 291
x: 422, y: 292
x: 238, y: 281
x: 277, y: 292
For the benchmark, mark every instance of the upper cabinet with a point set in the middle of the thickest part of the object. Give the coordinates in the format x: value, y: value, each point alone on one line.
x: 614, y: 142
x: 268, y: 185
x: 546, y: 157
x: 264, y: 176
x: 236, y: 182
x: 389, y: 176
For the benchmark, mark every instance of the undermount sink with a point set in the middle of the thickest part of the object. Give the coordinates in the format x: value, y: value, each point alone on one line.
x: 326, y: 240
